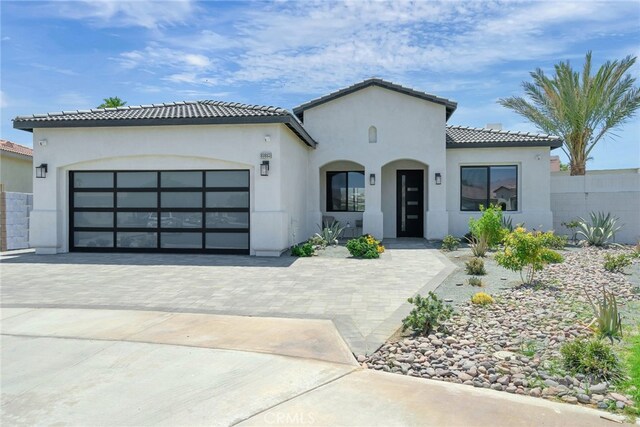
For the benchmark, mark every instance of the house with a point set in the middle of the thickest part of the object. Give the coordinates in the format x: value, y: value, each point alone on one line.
x: 212, y: 176
x: 16, y: 167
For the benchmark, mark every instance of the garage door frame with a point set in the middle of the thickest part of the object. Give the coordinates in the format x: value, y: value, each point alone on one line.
x: 159, y: 229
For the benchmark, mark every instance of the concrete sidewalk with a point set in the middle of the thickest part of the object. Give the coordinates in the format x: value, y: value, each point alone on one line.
x: 102, y: 367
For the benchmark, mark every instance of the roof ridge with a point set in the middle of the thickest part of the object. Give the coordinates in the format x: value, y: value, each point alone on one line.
x: 241, y: 105
x: 505, y: 132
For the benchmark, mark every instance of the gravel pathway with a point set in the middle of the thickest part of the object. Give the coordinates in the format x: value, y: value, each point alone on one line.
x: 513, y: 345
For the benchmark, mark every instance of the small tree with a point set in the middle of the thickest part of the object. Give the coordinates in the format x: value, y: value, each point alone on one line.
x: 112, y: 102
x: 489, y: 226
x: 526, y: 253
x: 428, y: 314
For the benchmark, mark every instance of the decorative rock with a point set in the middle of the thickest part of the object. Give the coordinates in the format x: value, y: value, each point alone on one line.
x: 618, y: 397
x: 496, y: 387
x: 362, y: 358
x: 502, y: 355
x: 511, y: 389
x: 599, y: 388
x: 535, y: 392
x: 583, y: 398
x: 464, y: 377
x: 620, y: 404
x: 551, y: 383
x: 504, y: 380
x: 570, y: 399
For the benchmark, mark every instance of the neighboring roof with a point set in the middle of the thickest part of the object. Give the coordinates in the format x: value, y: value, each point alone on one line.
x: 174, y: 113
x: 12, y: 147
x: 450, y: 105
x: 467, y: 137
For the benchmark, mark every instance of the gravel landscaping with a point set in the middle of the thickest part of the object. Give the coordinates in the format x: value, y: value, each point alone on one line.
x: 513, y: 345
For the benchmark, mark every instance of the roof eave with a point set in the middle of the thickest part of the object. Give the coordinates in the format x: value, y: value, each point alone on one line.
x: 288, y: 120
x: 551, y: 144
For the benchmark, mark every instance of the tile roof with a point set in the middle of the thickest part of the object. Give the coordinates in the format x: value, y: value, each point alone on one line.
x: 468, y: 137
x: 12, y: 147
x: 450, y: 105
x: 176, y: 113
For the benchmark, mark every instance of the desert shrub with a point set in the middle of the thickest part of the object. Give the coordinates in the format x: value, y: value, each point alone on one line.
x: 507, y: 223
x: 616, y: 263
x: 317, y: 242
x: 572, y: 225
x: 488, y: 226
x: 482, y: 298
x: 475, y: 281
x: 600, y: 231
x: 450, y: 243
x: 525, y: 252
x: 593, y: 358
x: 303, y: 250
x: 608, y: 320
x: 479, y: 246
x: 330, y: 232
x: 475, y: 267
x: 365, y: 247
x: 428, y: 315
x: 553, y: 241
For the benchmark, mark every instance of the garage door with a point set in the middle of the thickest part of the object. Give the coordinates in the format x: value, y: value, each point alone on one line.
x: 205, y: 211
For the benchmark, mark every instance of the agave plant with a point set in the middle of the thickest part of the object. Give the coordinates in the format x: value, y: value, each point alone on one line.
x: 607, y: 317
x: 330, y: 232
x: 479, y: 246
x: 601, y: 231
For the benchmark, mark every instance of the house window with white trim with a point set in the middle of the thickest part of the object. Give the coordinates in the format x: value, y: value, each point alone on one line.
x: 484, y: 185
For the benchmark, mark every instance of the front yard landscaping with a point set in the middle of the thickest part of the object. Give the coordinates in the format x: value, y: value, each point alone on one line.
x: 514, y: 344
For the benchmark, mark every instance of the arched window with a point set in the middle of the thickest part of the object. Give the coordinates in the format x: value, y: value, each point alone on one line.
x: 373, y: 135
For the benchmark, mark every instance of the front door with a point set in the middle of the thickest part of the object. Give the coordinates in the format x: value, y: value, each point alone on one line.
x: 410, y: 191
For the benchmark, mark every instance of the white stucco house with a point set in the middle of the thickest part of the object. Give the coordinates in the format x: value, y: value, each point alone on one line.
x: 213, y: 176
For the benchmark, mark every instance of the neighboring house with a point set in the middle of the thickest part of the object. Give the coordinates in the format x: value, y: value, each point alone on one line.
x: 16, y: 167
x: 214, y: 176
x: 555, y: 163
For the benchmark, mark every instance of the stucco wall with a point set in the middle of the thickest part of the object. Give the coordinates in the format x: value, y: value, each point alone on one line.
x: 614, y: 191
x: 16, y: 172
x: 407, y: 128
x: 159, y: 147
x: 534, y: 209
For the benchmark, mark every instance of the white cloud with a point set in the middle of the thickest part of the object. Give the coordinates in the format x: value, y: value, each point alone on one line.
x: 51, y: 68
x: 127, y: 13
x: 3, y: 100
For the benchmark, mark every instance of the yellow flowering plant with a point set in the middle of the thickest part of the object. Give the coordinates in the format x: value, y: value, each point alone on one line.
x: 365, y: 247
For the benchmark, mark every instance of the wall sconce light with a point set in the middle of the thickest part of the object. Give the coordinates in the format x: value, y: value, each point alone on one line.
x: 267, y: 138
x: 438, y: 178
x: 264, y: 168
x: 372, y: 179
x: 42, y: 142
x: 41, y: 171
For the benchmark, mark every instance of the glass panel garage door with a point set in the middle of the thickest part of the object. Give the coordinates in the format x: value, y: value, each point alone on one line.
x: 160, y: 211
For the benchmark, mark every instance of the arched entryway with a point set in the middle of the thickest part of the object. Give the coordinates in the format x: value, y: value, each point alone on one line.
x: 342, y: 194
x: 404, y: 198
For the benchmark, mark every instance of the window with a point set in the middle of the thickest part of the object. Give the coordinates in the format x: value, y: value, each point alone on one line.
x: 482, y: 185
x: 345, y: 191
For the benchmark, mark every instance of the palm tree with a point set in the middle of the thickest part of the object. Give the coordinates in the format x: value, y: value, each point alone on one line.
x: 112, y: 102
x: 580, y: 109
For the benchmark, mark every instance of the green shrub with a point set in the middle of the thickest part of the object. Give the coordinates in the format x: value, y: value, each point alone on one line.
x: 488, y: 226
x: 608, y: 319
x: 475, y: 267
x: 482, y: 298
x: 525, y: 252
x: 616, y: 263
x: 303, y: 250
x: 553, y: 241
x: 593, y: 358
x: 479, y: 246
x: 365, y: 247
x: 317, y: 242
x: 601, y: 231
x: 428, y: 315
x: 475, y: 281
x: 450, y: 243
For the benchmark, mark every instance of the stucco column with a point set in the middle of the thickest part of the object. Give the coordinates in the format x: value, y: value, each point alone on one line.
x: 372, y: 218
x: 43, y: 220
x: 436, y: 216
x: 314, y: 213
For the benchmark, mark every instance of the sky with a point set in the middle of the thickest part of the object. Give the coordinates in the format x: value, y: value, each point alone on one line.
x: 63, y: 55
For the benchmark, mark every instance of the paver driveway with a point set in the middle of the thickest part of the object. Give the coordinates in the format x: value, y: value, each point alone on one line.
x: 366, y: 299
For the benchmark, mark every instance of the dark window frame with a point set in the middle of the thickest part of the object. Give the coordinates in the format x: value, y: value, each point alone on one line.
x: 158, y: 210
x: 328, y: 189
x: 488, y: 198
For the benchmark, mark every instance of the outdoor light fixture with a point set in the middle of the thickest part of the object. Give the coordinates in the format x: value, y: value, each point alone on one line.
x: 41, y: 171
x: 372, y: 179
x: 264, y: 168
x: 438, y: 178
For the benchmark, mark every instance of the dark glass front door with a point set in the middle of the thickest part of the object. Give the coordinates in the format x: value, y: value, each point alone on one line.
x: 410, y: 203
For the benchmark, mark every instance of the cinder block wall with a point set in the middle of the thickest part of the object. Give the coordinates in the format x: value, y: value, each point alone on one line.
x: 14, y: 220
x: 615, y: 191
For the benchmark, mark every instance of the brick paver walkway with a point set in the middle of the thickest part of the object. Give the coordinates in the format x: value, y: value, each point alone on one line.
x: 366, y: 299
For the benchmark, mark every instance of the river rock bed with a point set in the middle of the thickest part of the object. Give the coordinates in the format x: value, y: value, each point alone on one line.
x: 513, y: 345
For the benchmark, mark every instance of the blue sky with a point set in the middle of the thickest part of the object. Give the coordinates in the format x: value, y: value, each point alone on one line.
x: 69, y: 55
